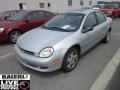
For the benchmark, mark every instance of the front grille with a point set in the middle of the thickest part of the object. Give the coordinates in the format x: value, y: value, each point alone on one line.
x: 27, y: 52
x: 32, y: 65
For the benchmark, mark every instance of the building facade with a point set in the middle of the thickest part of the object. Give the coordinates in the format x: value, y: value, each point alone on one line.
x: 51, y: 5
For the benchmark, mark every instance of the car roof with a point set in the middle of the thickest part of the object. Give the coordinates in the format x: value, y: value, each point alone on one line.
x: 83, y: 11
x: 26, y: 10
x: 36, y: 10
x: 11, y: 11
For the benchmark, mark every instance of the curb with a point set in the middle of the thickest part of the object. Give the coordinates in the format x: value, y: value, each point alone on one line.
x: 105, y: 77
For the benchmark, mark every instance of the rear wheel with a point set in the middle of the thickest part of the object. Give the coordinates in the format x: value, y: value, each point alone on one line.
x: 107, y: 37
x: 70, y: 60
x: 13, y: 36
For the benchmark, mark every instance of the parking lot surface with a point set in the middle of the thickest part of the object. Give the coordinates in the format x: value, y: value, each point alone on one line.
x: 88, y: 69
x: 114, y: 84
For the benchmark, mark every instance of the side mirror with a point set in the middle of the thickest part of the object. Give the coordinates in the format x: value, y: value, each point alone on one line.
x: 87, y: 29
x: 5, y: 18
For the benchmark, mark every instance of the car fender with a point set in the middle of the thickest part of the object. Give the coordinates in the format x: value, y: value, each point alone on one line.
x: 64, y: 45
x: 10, y: 29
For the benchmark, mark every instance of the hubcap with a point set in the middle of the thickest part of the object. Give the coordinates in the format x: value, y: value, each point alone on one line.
x: 108, y: 36
x: 15, y: 36
x: 72, y: 60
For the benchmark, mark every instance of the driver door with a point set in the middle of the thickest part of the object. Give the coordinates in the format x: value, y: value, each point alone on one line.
x: 90, y: 32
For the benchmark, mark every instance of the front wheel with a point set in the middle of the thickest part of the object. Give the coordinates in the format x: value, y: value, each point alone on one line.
x: 13, y: 36
x: 70, y: 60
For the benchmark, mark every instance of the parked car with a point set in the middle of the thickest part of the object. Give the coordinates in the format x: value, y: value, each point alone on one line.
x: 61, y: 41
x: 111, y: 10
x: 86, y: 8
x: 22, y: 22
x: 97, y: 7
x: 6, y: 14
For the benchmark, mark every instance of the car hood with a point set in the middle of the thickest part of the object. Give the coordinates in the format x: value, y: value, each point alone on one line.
x: 39, y: 38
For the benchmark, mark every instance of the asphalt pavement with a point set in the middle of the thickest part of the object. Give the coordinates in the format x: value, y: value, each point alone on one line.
x: 114, y: 84
x: 81, y: 78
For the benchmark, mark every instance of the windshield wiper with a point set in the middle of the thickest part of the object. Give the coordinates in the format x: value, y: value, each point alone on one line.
x: 9, y: 19
x: 57, y: 28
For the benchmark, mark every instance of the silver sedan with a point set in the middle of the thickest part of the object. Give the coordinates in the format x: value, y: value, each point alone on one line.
x: 60, y: 42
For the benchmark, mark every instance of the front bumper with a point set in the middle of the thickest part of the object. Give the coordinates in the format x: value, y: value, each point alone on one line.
x: 37, y: 63
x: 3, y: 36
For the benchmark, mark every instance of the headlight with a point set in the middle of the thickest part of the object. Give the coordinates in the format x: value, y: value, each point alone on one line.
x: 47, y: 52
x: 1, y: 29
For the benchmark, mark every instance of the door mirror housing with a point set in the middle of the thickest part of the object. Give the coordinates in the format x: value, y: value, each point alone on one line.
x: 87, y: 29
x: 5, y: 18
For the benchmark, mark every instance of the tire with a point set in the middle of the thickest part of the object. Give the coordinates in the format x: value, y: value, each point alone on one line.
x: 70, y: 60
x: 107, y: 37
x: 13, y: 36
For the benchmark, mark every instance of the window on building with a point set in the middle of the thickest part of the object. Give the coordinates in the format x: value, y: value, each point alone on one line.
x: 81, y: 2
x: 41, y: 5
x: 90, y: 3
x: 22, y: 5
x: 49, y: 4
x: 69, y: 2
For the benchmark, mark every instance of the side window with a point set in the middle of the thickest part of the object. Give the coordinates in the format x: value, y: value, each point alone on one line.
x: 100, y: 17
x: 12, y: 13
x: 36, y: 15
x: 48, y: 14
x: 90, y: 21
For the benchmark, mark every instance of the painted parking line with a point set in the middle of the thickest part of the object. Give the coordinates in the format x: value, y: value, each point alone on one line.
x: 6, y: 55
x: 105, y: 77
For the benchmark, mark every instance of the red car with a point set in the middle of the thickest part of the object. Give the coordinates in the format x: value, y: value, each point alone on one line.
x: 24, y: 21
x: 111, y: 10
x: 6, y: 14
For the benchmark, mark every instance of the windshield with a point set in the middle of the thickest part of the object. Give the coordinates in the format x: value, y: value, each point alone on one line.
x: 3, y: 14
x: 65, y: 22
x: 18, y: 16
